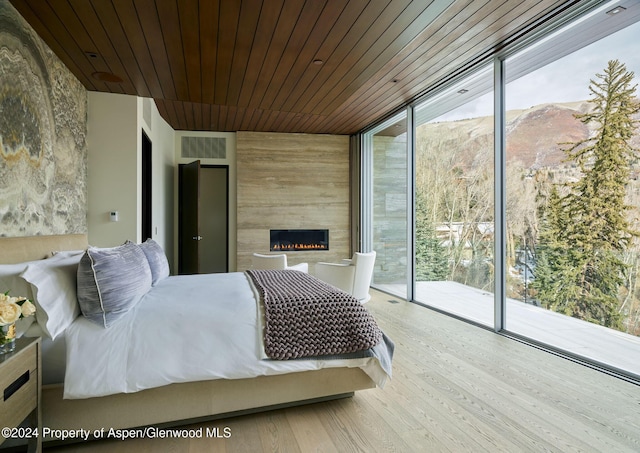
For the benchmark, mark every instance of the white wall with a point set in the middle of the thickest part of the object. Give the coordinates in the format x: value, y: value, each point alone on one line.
x: 114, y: 142
x: 114, y: 151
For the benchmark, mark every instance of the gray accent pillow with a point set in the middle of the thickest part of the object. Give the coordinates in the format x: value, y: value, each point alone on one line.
x: 157, y: 260
x: 111, y: 282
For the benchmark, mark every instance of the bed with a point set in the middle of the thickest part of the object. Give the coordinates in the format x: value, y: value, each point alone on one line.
x: 130, y: 405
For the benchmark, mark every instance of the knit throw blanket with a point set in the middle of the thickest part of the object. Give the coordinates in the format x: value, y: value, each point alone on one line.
x: 305, y: 317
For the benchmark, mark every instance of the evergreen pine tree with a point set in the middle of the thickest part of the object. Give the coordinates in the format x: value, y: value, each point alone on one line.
x: 585, y: 231
x: 551, y: 255
x: 431, y: 258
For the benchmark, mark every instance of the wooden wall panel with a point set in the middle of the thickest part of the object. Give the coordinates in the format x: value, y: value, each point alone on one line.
x: 290, y: 181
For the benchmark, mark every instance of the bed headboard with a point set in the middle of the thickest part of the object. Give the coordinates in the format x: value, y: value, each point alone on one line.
x: 30, y: 248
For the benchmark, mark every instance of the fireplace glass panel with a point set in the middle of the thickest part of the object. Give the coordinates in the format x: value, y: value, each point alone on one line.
x: 299, y: 240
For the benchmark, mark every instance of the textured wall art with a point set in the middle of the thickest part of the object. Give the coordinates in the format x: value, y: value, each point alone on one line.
x: 43, y: 124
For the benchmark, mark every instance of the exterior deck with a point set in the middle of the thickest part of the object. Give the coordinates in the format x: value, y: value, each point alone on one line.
x: 596, y: 343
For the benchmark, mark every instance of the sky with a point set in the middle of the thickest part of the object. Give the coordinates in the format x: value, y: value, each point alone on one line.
x: 565, y: 80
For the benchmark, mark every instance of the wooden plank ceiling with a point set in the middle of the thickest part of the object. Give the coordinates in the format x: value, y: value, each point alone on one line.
x: 314, y: 66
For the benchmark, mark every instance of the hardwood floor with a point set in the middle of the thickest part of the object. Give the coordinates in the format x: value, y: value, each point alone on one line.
x: 455, y: 388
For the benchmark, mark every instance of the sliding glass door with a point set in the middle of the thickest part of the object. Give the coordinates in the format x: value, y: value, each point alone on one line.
x: 454, y: 199
x: 536, y: 234
x: 573, y: 194
x: 386, y: 170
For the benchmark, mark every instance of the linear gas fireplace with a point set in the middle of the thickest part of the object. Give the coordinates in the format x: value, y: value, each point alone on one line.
x: 299, y: 240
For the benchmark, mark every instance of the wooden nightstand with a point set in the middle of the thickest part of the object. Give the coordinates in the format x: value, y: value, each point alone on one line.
x: 20, y: 386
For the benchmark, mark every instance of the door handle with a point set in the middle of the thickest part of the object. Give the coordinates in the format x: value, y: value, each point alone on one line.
x: 197, y: 238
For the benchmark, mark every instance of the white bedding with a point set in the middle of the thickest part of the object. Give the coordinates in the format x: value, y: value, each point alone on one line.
x: 186, y: 328
x: 53, y: 355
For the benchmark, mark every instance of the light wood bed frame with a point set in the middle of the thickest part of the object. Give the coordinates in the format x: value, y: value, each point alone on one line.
x: 177, y: 403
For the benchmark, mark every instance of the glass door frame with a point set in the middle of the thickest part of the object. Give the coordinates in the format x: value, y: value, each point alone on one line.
x: 366, y: 191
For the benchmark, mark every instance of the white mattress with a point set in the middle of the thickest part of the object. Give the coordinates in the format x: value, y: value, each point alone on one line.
x: 186, y: 328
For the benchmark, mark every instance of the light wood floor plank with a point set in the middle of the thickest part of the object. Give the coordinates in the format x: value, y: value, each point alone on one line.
x: 276, y: 433
x: 198, y: 445
x: 559, y: 394
x: 340, y: 418
x: 245, y: 435
x: 455, y: 388
x: 309, y: 431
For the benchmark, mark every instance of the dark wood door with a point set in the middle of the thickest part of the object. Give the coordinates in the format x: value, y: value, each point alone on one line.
x: 189, y: 215
x: 147, y: 188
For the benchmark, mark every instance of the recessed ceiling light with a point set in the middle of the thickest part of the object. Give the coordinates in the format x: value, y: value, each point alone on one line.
x: 463, y: 91
x: 92, y: 55
x: 616, y: 10
x: 318, y: 62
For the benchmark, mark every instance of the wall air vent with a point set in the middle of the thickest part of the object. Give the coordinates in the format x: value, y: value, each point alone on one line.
x: 204, y: 147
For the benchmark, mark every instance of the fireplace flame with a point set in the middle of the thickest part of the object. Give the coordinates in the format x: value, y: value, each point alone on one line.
x: 299, y: 247
x: 298, y: 240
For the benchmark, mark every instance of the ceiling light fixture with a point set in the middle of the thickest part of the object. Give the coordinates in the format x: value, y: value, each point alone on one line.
x: 616, y: 10
x: 463, y: 91
x: 318, y: 62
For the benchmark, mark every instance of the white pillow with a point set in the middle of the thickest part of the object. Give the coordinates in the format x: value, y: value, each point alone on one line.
x: 158, y: 262
x: 65, y: 253
x: 53, y: 284
x: 11, y: 281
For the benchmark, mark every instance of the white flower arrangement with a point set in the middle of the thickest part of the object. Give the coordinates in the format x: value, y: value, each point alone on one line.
x: 14, y: 308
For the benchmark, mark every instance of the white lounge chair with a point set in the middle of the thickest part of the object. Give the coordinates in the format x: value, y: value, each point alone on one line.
x: 259, y: 261
x: 352, y: 276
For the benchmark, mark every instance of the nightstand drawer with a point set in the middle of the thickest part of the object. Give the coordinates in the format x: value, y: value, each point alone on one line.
x: 18, y: 387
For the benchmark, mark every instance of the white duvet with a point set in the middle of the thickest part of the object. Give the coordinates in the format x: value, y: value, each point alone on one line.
x: 186, y: 328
